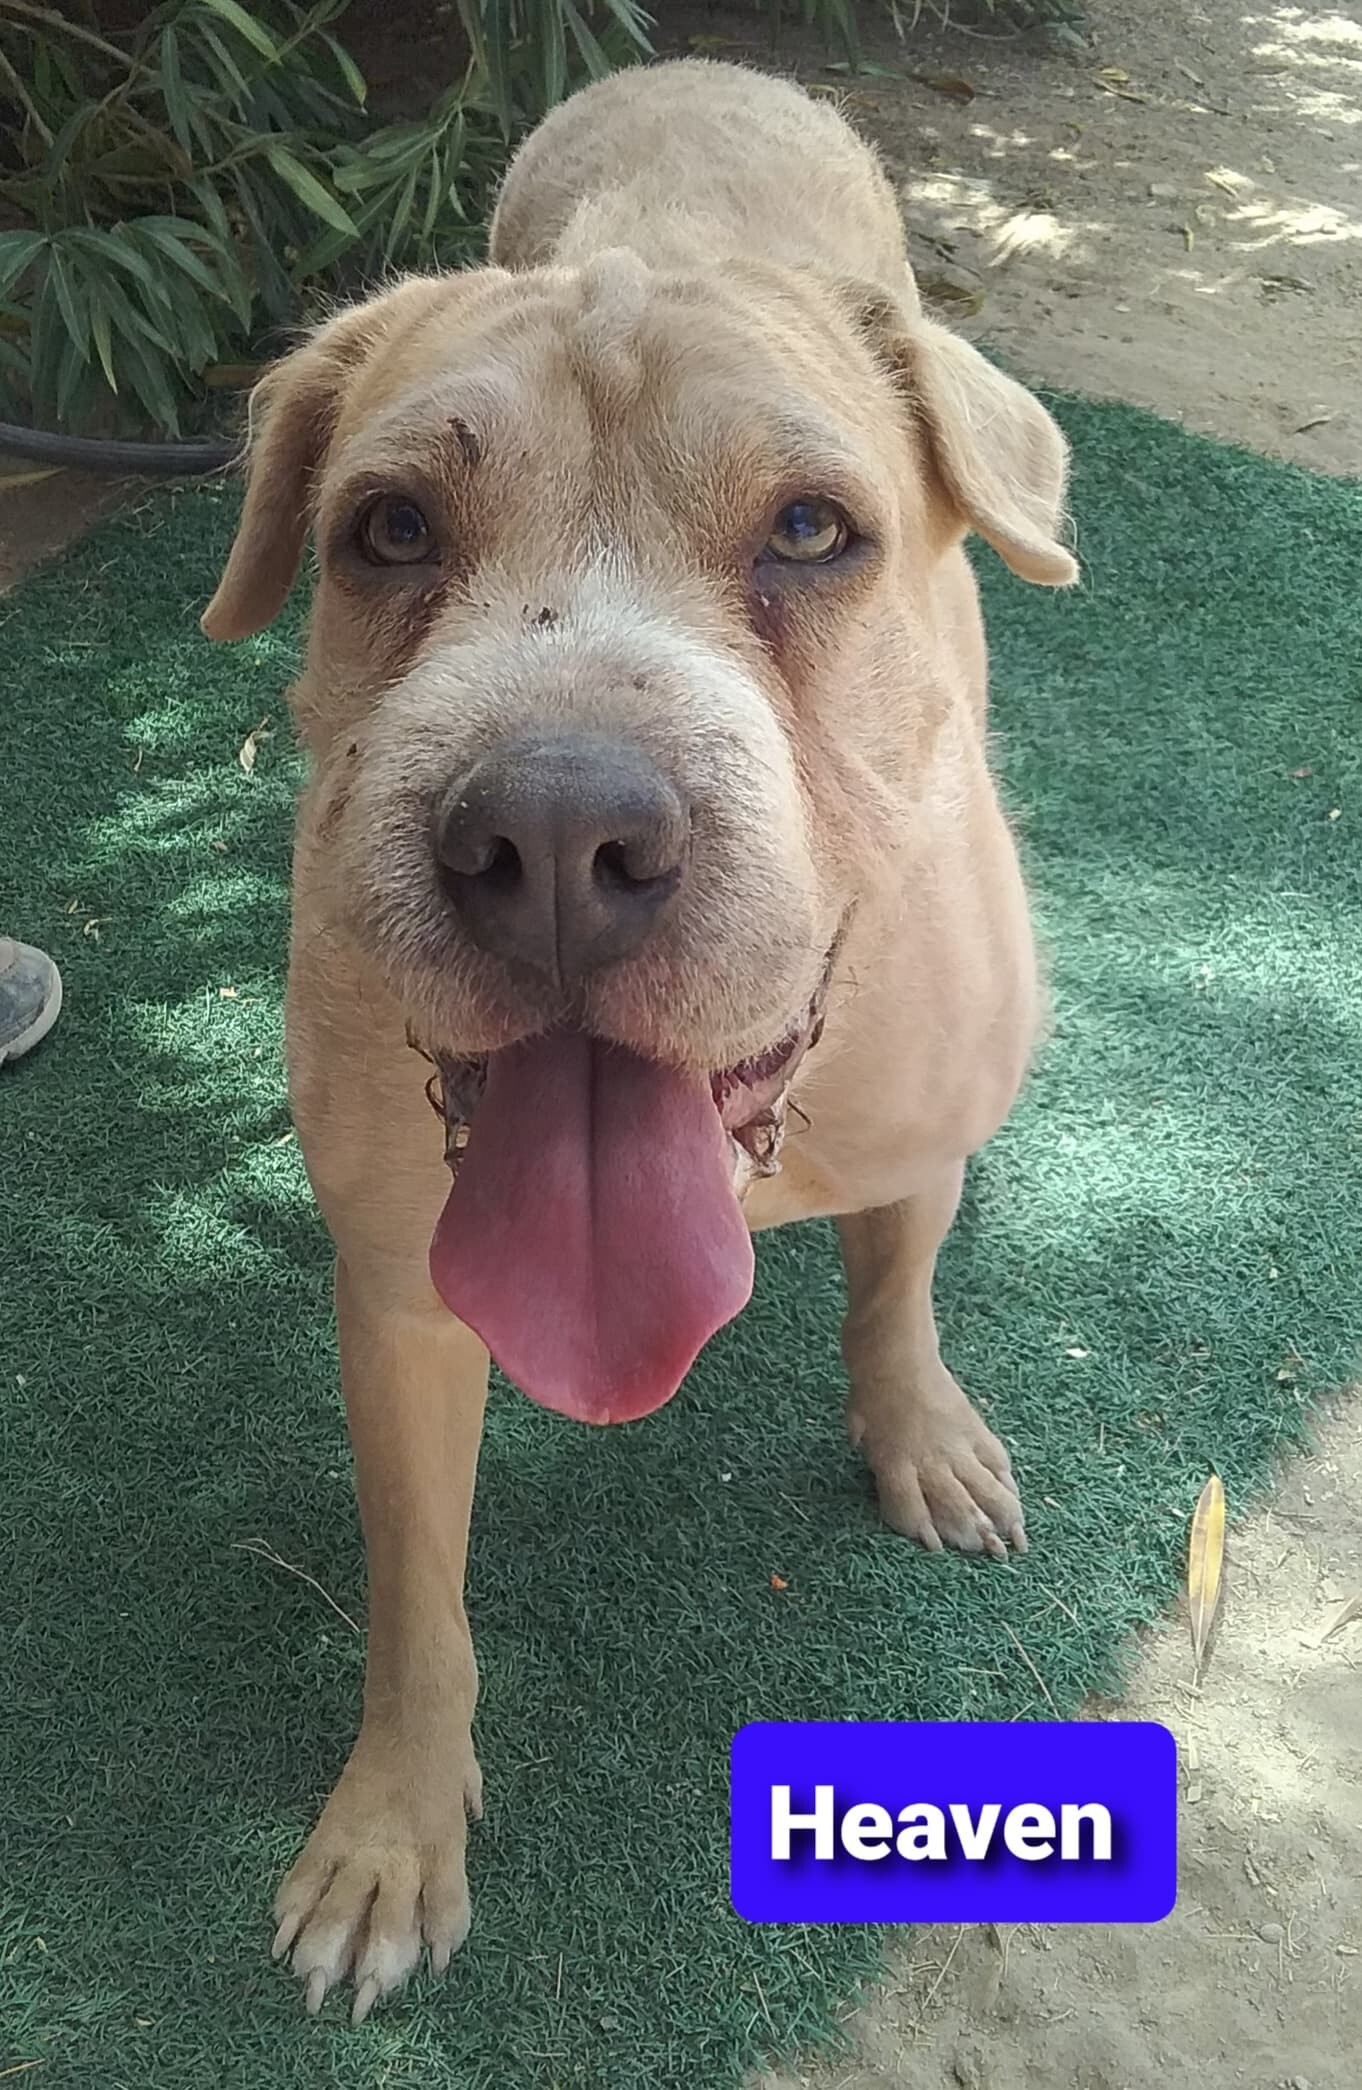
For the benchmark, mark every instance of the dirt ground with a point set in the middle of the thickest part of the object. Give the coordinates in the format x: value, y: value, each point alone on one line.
x: 1172, y: 215
x: 1255, y: 1981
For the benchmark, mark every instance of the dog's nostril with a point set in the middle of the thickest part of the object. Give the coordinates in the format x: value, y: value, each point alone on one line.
x: 503, y: 866
x: 634, y: 867
x: 613, y: 866
x: 469, y: 851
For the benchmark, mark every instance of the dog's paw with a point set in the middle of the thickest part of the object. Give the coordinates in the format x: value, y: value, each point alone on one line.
x: 380, y: 1880
x: 941, y: 1475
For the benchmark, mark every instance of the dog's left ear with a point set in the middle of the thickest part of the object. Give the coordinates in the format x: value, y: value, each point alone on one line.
x: 1000, y: 457
x: 293, y: 416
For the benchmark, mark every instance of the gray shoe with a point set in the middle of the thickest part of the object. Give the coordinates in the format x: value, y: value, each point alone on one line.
x: 30, y: 997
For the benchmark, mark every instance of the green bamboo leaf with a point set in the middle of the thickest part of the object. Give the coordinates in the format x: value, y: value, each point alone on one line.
x: 231, y: 81
x: 173, y: 90
x: 364, y: 171
x: 309, y: 191
x: 593, y: 57
x: 62, y: 146
x: 13, y: 359
x: 103, y: 336
x: 550, y: 40
x: 71, y: 370
x: 147, y: 379
x: 74, y: 311
x: 246, y: 26
x: 324, y: 252
x: 122, y: 253
x: 45, y: 338
x: 275, y: 290
x: 17, y: 250
x: 170, y: 237
x: 635, y: 23
x: 436, y: 183
x: 349, y: 71
x: 126, y: 317
x: 399, y: 225
x: 489, y: 35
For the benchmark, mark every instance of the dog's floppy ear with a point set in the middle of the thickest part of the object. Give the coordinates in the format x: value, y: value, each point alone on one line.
x: 294, y: 411
x: 293, y: 416
x: 1000, y: 457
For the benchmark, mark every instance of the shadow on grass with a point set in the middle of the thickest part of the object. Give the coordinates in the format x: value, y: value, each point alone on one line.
x: 1154, y: 1270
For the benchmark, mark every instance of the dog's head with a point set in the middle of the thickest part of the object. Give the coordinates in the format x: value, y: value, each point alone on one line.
x: 626, y: 665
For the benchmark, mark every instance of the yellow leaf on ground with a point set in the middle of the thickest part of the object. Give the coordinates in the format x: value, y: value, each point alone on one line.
x: 1205, y: 1559
x: 954, y: 86
x: 250, y: 746
x: 1346, y: 1612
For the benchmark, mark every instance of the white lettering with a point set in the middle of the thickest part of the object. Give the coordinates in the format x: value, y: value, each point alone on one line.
x: 866, y: 1832
x: 923, y: 1834
x: 784, y: 1823
x: 1070, y: 1821
x: 1029, y: 1832
x: 975, y: 1838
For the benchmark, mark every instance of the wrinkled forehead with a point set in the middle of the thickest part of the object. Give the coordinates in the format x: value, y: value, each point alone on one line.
x: 624, y: 387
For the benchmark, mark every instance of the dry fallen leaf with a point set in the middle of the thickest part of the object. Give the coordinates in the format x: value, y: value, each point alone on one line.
x: 10, y: 482
x: 1205, y: 1559
x: 250, y: 746
x: 232, y: 377
x: 779, y: 1582
x: 954, y: 86
x: 1283, y: 286
x: 1112, y: 80
x: 1346, y: 1612
x: 949, y: 290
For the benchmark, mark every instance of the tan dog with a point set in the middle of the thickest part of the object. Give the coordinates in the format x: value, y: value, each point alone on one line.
x: 649, y: 794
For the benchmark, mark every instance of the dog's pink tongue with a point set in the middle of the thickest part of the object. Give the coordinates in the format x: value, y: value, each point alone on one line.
x: 593, y: 1238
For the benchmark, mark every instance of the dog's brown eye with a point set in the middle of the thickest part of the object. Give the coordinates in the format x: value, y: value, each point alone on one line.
x: 394, y: 532
x: 810, y: 532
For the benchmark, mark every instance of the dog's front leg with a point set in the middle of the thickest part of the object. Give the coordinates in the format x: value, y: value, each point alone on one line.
x: 383, y: 1873
x: 941, y: 1474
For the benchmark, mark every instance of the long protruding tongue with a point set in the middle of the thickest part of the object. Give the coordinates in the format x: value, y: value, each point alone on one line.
x: 593, y: 1238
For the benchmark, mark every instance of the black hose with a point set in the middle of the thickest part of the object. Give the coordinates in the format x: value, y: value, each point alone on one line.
x: 92, y: 454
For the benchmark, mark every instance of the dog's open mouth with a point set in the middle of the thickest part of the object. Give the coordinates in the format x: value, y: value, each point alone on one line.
x: 594, y: 1235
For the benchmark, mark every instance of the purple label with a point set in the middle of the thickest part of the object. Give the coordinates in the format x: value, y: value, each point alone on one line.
x: 954, y: 1822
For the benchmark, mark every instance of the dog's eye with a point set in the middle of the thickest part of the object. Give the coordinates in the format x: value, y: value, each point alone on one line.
x: 809, y: 532
x: 394, y: 532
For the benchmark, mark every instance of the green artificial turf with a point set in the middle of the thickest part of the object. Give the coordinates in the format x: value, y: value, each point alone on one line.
x: 1155, y: 1272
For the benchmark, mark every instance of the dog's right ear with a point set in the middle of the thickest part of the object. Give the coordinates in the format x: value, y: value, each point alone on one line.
x: 998, y: 456
x: 293, y: 415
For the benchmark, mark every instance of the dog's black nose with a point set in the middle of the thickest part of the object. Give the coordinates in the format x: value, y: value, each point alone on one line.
x: 562, y: 854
